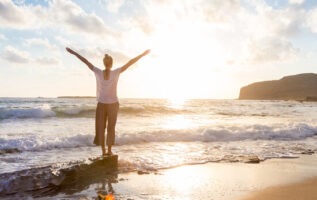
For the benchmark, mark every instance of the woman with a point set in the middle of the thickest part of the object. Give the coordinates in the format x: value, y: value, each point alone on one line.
x: 108, y: 105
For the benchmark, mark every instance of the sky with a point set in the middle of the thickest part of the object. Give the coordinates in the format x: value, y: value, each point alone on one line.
x: 199, y: 48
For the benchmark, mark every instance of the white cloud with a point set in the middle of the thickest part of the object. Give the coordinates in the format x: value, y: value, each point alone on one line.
x: 13, y: 16
x: 14, y: 55
x: 271, y: 50
x: 60, y: 15
x: 114, y: 5
x: 62, y: 41
x: 256, y: 33
x: 311, y: 21
x: 296, y: 1
x: 218, y: 11
x: 47, y: 61
x: 40, y: 42
x: 74, y: 18
x: 246, y: 27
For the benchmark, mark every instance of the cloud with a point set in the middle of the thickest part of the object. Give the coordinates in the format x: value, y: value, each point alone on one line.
x: 217, y: 11
x: 114, y: 5
x: 281, y: 23
x: 296, y: 1
x: 18, y: 17
x: 311, y: 21
x: 74, y: 18
x: 15, y: 56
x: 258, y: 33
x: 60, y: 15
x: 271, y: 50
x: 247, y: 32
x: 47, y: 61
x: 41, y: 42
x: 245, y: 24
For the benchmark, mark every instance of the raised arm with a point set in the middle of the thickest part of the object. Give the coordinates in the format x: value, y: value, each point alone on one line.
x: 134, y: 60
x: 84, y: 60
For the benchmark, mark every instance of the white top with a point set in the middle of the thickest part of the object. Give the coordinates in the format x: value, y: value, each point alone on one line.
x: 107, y: 89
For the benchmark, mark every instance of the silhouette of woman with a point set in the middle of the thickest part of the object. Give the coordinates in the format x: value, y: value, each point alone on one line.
x: 108, y: 104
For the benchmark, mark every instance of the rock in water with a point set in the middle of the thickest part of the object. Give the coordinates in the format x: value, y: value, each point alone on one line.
x: 252, y: 160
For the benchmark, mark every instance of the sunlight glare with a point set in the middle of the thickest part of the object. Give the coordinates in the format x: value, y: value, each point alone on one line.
x: 183, y: 180
x: 185, y: 58
x: 176, y: 101
x: 177, y: 122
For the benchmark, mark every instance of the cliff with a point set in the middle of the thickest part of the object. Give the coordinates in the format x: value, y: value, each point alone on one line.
x: 296, y: 87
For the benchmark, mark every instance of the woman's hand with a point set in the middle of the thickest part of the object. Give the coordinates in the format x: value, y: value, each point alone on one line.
x: 84, y: 60
x: 70, y: 50
x: 146, y: 52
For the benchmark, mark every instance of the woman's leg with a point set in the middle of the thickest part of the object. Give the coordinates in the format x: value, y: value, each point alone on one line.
x: 100, y: 125
x: 112, y: 120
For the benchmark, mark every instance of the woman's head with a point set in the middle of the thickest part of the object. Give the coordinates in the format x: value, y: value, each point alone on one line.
x: 107, y: 61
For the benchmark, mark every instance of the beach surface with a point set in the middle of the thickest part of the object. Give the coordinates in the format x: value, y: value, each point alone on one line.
x: 271, y: 179
x: 305, y: 190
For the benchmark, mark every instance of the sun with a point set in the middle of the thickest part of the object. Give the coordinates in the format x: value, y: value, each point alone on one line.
x: 176, y: 101
x: 185, y: 58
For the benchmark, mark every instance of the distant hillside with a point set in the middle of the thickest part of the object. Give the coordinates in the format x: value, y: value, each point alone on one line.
x: 296, y: 87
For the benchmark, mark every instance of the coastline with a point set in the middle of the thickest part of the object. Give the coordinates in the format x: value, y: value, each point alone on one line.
x: 218, y: 181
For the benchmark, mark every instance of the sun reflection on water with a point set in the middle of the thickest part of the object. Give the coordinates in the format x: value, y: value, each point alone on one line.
x: 183, y: 181
x: 177, y: 122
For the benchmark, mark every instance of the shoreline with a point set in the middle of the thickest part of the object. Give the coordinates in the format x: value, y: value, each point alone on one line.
x: 218, y: 181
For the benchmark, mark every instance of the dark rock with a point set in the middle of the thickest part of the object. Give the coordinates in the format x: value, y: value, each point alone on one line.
x: 143, y: 172
x: 252, y: 160
x: 296, y: 87
x: 308, y: 152
x: 13, y: 150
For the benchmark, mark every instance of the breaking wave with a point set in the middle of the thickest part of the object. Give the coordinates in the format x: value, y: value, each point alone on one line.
x: 291, y: 132
x: 80, y: 111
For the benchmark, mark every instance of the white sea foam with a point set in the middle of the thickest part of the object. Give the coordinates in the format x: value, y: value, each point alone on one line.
x: 21, y: 113
x: 26, y: 113
x: 38, y: 143
x: 228, y: 134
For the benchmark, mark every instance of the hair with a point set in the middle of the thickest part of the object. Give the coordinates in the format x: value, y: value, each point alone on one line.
x: 107, y: 61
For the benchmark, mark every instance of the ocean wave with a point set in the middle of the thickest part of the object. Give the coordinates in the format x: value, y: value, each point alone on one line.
x: 22, y: 113
x: 38, y: 143
x: 80, y: 111
x: 260, y: 132
x: 26, y: 113
x: 290, y: 132
x: 223, y: 134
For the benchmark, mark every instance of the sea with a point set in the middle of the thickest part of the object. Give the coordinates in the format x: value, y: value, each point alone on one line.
x: 151, y: 134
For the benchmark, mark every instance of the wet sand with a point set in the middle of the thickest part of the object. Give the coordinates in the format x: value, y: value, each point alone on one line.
x: 211, y: 181
x: 305, y: 190
x: 208, y: 181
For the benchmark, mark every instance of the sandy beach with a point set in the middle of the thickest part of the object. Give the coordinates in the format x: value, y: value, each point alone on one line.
x: 305, y: 190
x: 271, y: 179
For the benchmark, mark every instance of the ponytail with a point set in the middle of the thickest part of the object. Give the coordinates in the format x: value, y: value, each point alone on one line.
x: 107, y: 73
x: 107, y: 61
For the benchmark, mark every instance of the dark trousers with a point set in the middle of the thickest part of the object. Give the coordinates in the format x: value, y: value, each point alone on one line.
x: 106, y: 117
